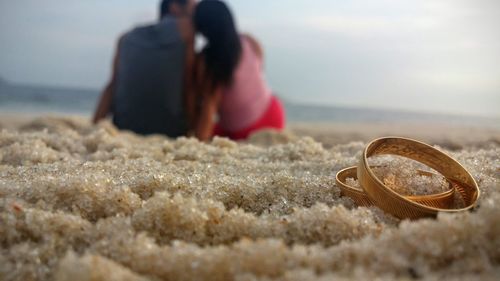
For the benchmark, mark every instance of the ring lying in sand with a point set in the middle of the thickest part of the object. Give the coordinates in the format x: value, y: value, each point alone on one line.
x: 439, y: 200
x: 400, y: 206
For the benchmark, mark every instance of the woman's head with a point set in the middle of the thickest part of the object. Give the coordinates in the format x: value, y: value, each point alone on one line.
x: 213, y: 19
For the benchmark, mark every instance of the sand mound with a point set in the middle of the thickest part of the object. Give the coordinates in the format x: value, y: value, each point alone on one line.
x: 79, y: 202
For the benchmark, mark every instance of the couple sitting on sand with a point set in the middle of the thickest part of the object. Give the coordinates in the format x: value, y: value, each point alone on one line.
x: 160, y: 86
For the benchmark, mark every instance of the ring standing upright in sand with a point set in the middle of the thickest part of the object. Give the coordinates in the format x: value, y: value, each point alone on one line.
x: 395, y: 203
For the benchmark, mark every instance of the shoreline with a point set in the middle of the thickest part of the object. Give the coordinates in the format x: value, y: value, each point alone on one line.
x: 451, y: 136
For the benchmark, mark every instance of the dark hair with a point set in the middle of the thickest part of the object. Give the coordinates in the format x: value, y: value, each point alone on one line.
x: 214, y: 21
x: 165, y: 6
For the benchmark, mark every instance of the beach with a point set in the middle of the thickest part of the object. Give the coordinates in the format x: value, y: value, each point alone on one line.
x: 84, y: 202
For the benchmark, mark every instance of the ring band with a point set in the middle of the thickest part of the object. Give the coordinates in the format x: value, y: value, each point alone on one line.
x: 438, y: 200
x: 396, y: 204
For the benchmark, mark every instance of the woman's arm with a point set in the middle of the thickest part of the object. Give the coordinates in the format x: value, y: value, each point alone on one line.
x: 104, y: 105
x: 204, y: 101
x: 206, y: 123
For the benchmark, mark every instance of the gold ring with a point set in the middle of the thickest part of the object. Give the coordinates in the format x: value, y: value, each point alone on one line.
x: 438, y: 200
x: 396, y: 204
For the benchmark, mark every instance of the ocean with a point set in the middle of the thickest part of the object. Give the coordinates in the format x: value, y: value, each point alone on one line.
x: 31, y: 99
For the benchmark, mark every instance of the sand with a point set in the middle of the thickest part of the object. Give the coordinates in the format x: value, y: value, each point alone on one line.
x: 82, y: 202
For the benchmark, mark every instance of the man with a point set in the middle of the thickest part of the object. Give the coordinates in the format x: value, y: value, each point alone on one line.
x: 145, y: 93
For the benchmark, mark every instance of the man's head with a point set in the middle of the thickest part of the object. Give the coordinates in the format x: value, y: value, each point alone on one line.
x: 176, y: 8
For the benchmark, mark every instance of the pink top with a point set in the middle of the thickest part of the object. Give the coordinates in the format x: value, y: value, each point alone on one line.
x: 248, y: 97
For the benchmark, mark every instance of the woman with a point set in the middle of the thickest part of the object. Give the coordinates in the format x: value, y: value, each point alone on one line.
x: 229, y: 81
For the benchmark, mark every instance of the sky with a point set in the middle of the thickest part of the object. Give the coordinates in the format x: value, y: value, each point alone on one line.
x: 420, y: 55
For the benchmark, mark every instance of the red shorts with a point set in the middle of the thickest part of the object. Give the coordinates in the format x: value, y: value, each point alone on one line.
x: 273, y: 118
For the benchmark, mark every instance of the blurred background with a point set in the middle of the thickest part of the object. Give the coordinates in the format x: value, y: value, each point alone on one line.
x: 330, y: 61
